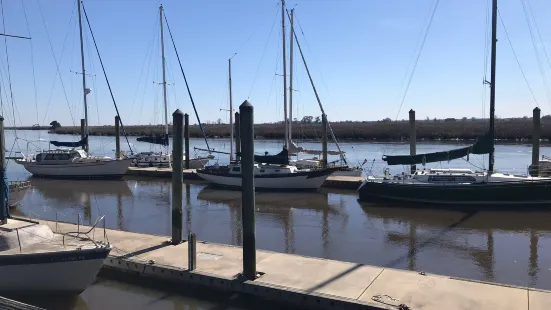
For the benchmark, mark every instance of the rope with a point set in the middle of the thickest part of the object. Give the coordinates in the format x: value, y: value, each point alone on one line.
x: 516, y: 58
x: 106, y: 79
x: 424, y: 39
x: 187, y: 85
x: 57, y: 63
x: 6, y: 190
x: 538, y: 58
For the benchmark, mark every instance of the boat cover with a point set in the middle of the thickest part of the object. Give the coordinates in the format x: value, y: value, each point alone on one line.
x: 483, y: 145
x: 80, y: 143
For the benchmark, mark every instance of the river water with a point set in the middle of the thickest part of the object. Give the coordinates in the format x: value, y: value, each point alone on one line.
x: 505, y: 247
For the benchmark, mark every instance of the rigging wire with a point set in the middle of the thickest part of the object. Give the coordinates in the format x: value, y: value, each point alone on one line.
x: 8, y: 65
x: 516, y: 58
x: 32, y: 64
x: 538, y: 57
x: 263, y: 53
x: 424, y: 39
x: 56, y: 62
x: 107, y: 80
x: 539, y: 33
x: 187, y: 85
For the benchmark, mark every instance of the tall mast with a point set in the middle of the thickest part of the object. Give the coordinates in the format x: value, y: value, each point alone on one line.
x: 86, y: 146
x: 493, y: 84
x: 164, y: 76
x: 231, y: 111
x: 284, y: 74
x: 291, y: 78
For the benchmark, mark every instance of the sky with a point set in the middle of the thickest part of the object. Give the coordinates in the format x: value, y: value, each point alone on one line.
x: 360, y: 54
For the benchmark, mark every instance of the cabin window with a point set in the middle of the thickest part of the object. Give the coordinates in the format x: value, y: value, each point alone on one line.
x: 49, y: 157
x: 236, y: 169
x: 262, y: 170
x: 277, y: 170
x: 38, y: 157
x: 64, y: 156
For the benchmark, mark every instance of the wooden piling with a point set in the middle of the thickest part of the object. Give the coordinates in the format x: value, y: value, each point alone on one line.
x: 186, y: 139
x: 3, y: 185
x: 177, y: 175
x: 412, y: 138
x: 117, y: 137
x: 237, y: 126
x: 324, y: 139
x: 248, y: 197
x: 536, y: 135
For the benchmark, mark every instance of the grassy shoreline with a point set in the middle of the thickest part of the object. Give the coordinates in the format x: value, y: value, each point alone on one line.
x: 508, y: 130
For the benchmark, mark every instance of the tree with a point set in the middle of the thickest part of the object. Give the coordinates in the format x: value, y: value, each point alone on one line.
x: 55, y: 124
x: 219, y: 121
x: 307, y: 120
x: 464, y: 119
x: 318, y: 120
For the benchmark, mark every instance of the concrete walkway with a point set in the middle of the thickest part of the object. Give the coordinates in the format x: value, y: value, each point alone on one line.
x: 310, y: 282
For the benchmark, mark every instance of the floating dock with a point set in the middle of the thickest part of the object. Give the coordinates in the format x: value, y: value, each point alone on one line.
x: 306, y: 281
x: 340, y: 182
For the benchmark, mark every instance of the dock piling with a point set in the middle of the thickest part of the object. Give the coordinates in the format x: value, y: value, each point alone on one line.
x: 192, y: 251
x: 324, y: 139
x: 4, y: 189
x: 237, y: 126
x: 536, y: 135
x: 246, y: 133
x: 117, y: 137
x: 186, y: 138
x: 177, y: 175
x: 412, y: 138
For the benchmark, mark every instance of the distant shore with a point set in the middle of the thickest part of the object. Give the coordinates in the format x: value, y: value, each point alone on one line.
x: 508, y: 130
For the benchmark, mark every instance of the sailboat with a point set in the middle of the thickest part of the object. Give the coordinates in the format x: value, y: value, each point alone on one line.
x: 164, y: 159
x: 460, y: 187
x: 70, y: 162
x: 271, y: 172
x: 294, y: 150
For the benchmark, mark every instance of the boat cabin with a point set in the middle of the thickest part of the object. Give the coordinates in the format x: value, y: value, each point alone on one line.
x: 264, y: 169
x: 59, y: 156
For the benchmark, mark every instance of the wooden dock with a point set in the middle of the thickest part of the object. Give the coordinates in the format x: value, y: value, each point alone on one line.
x: 306, y: 281
x: 340, y: 182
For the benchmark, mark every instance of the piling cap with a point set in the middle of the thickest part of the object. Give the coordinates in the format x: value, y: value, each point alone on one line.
x: 178, y: 112
x: 411, y: 111
x: 537, y: 109
x: 246, y: 106
x: 1, y: 118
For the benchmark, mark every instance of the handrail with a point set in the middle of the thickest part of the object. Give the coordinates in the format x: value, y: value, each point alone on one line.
x: 78, y: 233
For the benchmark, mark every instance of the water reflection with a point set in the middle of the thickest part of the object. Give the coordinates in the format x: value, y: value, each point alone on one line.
x: 506, y: 247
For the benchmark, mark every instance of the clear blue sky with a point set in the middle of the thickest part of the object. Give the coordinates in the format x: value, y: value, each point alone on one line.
x: 358, y: 50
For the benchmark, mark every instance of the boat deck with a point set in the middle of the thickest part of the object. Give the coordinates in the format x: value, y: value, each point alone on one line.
x: 306, y: 281
x: 340, y: 182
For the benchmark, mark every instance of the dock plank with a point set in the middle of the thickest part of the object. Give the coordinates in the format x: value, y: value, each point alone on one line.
x: 307, y: 281
x: 433, y: 292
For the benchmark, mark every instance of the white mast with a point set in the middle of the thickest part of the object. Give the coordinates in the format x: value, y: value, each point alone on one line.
x: 84, y: 90
x: 291, y: 79
x: 284, y: 75
x: 164, y: 75
x: 231, y: 111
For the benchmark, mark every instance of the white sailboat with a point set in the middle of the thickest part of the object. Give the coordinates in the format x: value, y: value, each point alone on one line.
x: 72, y: 162
x: 271, y: 172
x: 164, y: 159
x: 35, y: 260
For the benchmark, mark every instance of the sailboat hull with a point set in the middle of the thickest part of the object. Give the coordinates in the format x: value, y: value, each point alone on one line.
x: 300, y: 181
x: 518, y: 195
x: 65, y: 272
x: 101, y: 169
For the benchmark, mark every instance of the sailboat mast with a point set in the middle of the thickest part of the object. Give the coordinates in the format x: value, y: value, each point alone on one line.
x: 493, y: 84
x: 164, y: 76
x: 284, y: 74
x: 231, y: 110
x: 86, y: 146
x: 291, y: 78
